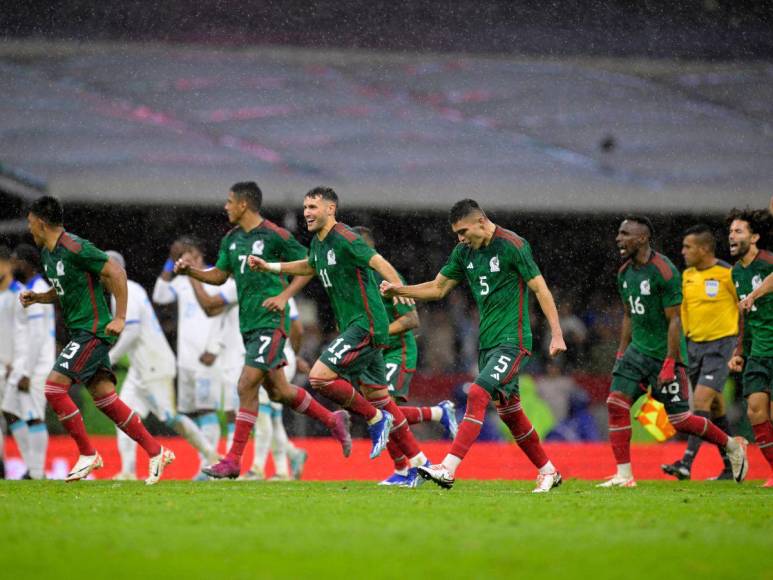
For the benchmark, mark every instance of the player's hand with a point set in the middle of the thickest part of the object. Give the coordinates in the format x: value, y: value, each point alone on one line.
x: 302, y: 366
x: 746, y: 304
x: 257, y: 264
x: 24, y: 384
x: 557, y: 345
x: 667, y: 372
x: 183, y: 265
x: 275, y: 303
x: 404, y: 300
x: 207, y: 359
x: 387, y: 288
x: 115, y: 327
x: 28, y: 298
x: 735, y: 363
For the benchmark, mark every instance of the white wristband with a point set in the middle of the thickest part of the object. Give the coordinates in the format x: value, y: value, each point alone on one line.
x: 275, y: 267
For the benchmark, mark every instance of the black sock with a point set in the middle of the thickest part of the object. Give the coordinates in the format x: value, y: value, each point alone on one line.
x: 693, y: 443
x: 723, y: 424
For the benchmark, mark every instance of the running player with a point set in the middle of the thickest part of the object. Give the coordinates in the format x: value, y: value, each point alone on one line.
x: 149, y: 384
x: 400, y: 358
x: 9, y: 297
x: 79, y: 274
x: 24, y: 403
x: 198, y: 372
x: 345, y: 265
x: 263, y: 320
x: 649, y: 353
x: 498, y: 266
x: 754, y: 265
x: 709, y: 315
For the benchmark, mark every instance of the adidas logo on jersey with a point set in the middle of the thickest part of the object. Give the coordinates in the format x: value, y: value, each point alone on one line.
x: 65, y: 365
x: 470, y: 266
x: 232, y: 246
x: 260, y: 359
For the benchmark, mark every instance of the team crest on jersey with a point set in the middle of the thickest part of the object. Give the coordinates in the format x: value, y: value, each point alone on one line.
x: 257, y: 247
x: 712, y: 288
x: 60, y: 268
x: 331, y: 258
x: 756, y: 282
x: 494, y: 264
x: 644, y: 288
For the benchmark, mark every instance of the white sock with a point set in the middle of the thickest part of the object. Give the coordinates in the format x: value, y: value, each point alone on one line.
x: 19, y: 431
x: 437, y: 414
x: 624, y: 470
x: 417, y: 460
x: 38, y: 445
x: 210, y: 427
x: 193, y: 435
x: 402, y: 471
x: 451, y: 463
x: 230, y: 430
x: 376, y: 418
x: 279, y: 443
x: 263, y: 433
x: 127, y: 449
x: 547, y: 468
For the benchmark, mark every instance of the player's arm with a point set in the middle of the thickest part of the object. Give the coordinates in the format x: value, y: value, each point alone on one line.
x: 548, y: 306
x: 765, y: 288
x: 436, y: 289
x: 408, y: 321
x: 673, y: 356
x: 626, y: 331
x: 125, y: 342
x: 278, y: 302
x: 24, y: 344
x: 736, y: 362
x: 211, y: 304
x: 28, y: 297
x: 296, y: 268
x: 214, y: 276
x: 114, y: 279
x: 388, y: 273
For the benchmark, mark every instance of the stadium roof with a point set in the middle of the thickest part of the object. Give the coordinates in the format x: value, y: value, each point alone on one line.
x: 140, y: 123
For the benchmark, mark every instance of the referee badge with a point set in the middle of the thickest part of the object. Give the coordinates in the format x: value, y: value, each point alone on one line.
x: 712, y: 288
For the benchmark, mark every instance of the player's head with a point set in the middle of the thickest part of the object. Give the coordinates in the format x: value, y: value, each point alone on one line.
x: 26, y: 261
x: 45, y: 213
x: 469, y: 223
x: 319, y: 207
x: 5, y: 262
x: 634, y: 233
x: 243, y: 197
x: 698, y: 245
x: 366, y: 234
x: 187, y: 245
x: 747, y: 227
x: 117, y: 257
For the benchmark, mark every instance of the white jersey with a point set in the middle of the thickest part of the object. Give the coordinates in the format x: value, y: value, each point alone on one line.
x: 8, y: 298
x: 225, y: 339
x: 193, y: 324
x: 34, y: 339
x: 142, y: 340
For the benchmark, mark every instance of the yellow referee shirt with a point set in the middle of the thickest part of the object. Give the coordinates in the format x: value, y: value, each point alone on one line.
x: 709, y: 304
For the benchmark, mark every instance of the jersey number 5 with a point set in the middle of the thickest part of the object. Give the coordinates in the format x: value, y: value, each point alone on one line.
x: 484, y: 287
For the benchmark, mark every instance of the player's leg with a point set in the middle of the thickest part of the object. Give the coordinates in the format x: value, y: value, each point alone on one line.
x: 208, y: 392
x: 279, y: 444
x: 757, y: 383
x: 34, y: 410
x: 264, y: 428
x: 17, y: 428
x: 127, y: 448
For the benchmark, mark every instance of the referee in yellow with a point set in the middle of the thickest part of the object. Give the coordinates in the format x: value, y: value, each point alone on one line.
x: 710, y: 323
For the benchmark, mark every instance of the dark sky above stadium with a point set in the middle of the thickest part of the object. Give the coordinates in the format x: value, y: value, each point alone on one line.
x: 703, y: 29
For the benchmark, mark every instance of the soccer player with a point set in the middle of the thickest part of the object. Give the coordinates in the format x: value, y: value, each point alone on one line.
x: 9, y: 296
x: 709, y: 315
x: 79, y: 273
x: 400, y: 359
x: 24, y: 403
x: 345, y: 265
x: 263, y: 320
x: 149, y: 384
x: 649, y: 352
x: 498, y: 267
x: 754, y: 265
x: 198, y: 372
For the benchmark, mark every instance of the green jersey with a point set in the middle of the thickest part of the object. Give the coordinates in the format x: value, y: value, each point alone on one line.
x: 404, y: 343
x: 497, y: 276
x: 646, y: 292
x: 273, y: 244
x: 73, y: 267
x: 341, y: 262
x: 758, y: 322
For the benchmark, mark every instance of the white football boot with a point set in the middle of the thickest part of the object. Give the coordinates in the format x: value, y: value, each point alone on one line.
x: 547, y: 481
x: 437, y: 473
x: 85, y: 465
x: 738, y: 460
x: 157, y: 465
x: 618, y: 481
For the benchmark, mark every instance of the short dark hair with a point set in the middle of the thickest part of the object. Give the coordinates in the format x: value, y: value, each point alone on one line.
x: 5, y: 253
x: 365, y: 232
x: 250, y: 192
x: 643, y: 220
x: 704, y: 235
x: 190, y: 241
x: 49, y: 209
x: 326, y: 193
x: 27, y: 253
x: 461, y: 209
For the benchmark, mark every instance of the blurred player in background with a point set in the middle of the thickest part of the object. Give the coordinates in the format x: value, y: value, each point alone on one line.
x: 79, y: 273
x: 198, y: 372
x: 498, y: 267
x: 752, y: 268
x: 650, y: 353
x: 9, y: 296
x: 34, y: 351
x: 709, y: 315
x: 400, y: 358
x: 149, y: 384
x: 263, y: 320
x: 346, y: 264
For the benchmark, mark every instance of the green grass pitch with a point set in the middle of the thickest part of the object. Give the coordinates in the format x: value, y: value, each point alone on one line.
x: 359, y: 530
